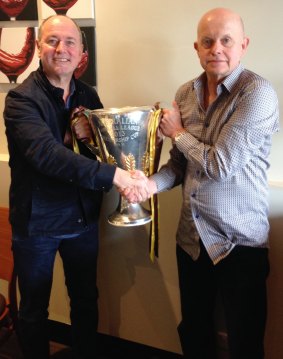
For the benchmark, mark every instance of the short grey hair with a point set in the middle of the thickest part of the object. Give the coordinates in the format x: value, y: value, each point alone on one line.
x: 40, y: 30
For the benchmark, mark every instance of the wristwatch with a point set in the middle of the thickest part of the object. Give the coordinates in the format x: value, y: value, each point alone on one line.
x: 177, y: 137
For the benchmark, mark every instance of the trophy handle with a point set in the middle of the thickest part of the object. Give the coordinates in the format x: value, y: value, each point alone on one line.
x: 93, y: 149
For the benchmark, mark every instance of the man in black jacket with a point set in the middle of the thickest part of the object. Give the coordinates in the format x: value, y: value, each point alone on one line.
x: 55, y: 194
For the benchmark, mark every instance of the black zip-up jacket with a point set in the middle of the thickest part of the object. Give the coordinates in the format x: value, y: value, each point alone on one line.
x: 53, y: 190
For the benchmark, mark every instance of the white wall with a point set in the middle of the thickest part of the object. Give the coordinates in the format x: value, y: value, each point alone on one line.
x: 145, y: 51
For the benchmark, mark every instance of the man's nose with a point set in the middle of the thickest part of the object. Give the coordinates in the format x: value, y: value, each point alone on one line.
x: 216, y: 47
x: 60, y: 46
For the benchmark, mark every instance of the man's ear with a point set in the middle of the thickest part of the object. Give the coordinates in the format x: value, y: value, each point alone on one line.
x: 81, y: 50
x: 38, y: 48
x: 245, y: 43
x: 196, y: 45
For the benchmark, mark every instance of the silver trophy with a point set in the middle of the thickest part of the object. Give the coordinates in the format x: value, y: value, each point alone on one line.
x: 126, y: 138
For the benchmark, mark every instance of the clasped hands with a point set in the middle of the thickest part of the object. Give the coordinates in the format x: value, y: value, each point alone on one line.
x: 135, y: 187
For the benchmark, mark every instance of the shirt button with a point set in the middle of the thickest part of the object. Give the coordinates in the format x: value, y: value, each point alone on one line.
x: 79, y: 220
x: 193, y: 195
x: 197, y: 215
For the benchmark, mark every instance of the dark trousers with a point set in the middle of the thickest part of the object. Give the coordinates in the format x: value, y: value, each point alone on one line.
x: 34, y: 260
x: 240, y: 279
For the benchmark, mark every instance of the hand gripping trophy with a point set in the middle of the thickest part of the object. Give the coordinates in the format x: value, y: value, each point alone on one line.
x: 129, y: 138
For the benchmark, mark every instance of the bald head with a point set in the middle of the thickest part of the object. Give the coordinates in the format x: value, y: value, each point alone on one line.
x: 219, y: 16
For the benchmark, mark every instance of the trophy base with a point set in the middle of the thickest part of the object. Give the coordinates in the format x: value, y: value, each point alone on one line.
x: 129, y: 216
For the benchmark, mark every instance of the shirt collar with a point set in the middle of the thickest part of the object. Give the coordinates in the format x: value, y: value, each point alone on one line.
x: 228, y: 82
x: 231, y: 79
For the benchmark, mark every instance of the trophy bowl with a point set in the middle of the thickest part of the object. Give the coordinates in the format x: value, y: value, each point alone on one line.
x: 125, y: 137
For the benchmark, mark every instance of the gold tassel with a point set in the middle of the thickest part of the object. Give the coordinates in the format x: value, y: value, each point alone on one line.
x: 154, y: 229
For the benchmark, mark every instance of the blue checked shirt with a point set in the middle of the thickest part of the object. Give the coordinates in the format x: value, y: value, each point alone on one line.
x: 221, y: 162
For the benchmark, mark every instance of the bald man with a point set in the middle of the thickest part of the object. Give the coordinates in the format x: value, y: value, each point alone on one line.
x: 221, y: 126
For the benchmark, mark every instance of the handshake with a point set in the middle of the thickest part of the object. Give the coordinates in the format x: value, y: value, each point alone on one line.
x: 134, y: 186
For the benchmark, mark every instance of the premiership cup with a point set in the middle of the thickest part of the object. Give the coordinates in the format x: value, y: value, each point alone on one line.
x: 127, y: 137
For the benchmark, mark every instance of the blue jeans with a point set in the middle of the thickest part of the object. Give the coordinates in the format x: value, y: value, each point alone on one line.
x: 240, y: 279
x: 34, y: 261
